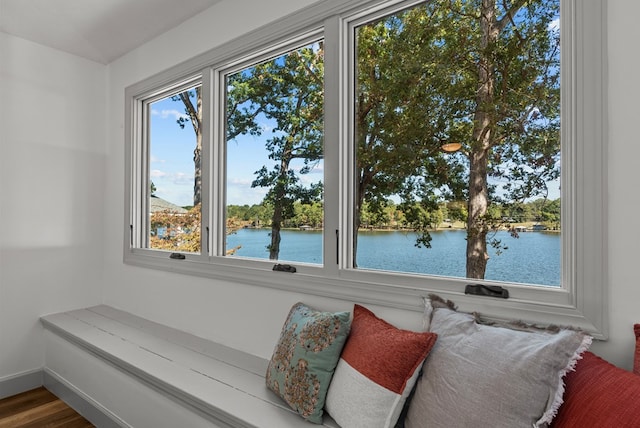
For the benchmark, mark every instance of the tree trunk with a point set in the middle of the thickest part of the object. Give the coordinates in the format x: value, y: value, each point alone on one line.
x: 197, y: 176
x: 276, y: 225
x: 197, y: 158
x: 195, y: 116
x: 278, y: 206
x: 483, y: 126
x: 357, y: 212
x: 477, y: 230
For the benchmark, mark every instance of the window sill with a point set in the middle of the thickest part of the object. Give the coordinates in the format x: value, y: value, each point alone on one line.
x: 540, y: 305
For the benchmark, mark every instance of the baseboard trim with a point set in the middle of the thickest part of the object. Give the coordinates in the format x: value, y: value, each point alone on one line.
x: 91, y: 410
x: 21, y: 382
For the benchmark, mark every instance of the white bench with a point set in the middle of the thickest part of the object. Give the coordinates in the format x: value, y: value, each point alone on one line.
x: 131, y: 357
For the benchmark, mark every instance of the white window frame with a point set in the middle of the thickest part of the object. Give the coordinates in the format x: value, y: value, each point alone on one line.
x: 218, y: 75
x: 138, y: 160
x: 581, y: 302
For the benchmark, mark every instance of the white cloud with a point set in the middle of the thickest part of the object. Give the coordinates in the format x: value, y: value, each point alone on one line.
x: 318, y: 169
x: 156, y: 173
x: 175, y: 196
x: 181, y: 178
x: 307, y: 180
x: 178, y: 178
x: 241, y: 193
x: 175, y: 187
x: 169, y: 113
x: 235, y: 181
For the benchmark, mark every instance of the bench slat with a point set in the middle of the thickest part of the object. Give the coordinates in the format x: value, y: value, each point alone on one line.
x: 215, y: 350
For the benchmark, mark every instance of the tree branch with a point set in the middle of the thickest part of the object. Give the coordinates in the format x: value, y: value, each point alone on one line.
x: 191, y: 110
x: 510, y: 13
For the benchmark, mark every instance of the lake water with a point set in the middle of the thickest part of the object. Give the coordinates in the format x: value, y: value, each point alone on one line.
x: 533, y: 258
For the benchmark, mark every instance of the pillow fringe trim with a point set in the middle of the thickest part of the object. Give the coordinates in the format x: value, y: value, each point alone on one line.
x: 551, y: 413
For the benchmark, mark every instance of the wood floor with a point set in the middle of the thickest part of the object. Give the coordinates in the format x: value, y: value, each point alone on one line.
x: 38, y: 408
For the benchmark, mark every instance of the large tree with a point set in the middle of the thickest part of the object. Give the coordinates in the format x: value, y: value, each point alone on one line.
x: 240, y: 120
x: 484, y: 73
x: 192, y: 101
x: 288, y: 91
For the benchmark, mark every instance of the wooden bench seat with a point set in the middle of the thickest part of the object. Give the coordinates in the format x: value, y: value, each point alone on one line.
x: 223, y: 385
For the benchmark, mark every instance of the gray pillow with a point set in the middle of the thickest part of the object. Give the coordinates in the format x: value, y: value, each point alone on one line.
x: 479, y: 375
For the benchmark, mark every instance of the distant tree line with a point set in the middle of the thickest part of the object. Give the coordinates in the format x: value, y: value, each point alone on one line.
x: 392, y: 215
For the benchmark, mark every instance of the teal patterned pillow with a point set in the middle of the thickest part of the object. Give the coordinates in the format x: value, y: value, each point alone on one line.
x: 305, y: 358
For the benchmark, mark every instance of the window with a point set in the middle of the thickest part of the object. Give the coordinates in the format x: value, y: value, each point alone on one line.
x: 167, y: 206
x: 175, y: 171
x: 274, y: 114
x: 346, y: 146
x: 457, y: 137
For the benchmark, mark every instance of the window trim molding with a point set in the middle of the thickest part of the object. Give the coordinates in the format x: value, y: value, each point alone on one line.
x: 584, y: 305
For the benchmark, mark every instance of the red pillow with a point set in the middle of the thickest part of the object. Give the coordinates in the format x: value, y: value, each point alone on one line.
x: 599, y: 395
x: 636, y: 359
x: 378, y: 367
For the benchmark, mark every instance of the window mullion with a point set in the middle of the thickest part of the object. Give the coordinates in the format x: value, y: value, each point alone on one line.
x: 333, y: 122
x: 207, y: 166
x: 217, y: 158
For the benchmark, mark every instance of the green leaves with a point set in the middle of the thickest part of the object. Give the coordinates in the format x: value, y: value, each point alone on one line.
x: 288, y: 92
x: 485, y: 74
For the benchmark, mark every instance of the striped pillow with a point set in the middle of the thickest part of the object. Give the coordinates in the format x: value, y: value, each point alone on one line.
x: 377, y: 370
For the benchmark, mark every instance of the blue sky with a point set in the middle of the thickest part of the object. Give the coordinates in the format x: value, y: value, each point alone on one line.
x: 171, y: 162
x: 171, y: 166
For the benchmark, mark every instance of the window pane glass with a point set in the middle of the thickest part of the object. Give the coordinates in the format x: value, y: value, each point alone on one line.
x: 274, y: 144
x: 175, y: 143
x: 457, y: 136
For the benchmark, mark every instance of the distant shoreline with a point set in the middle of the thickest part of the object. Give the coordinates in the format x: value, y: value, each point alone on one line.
x: 454, y: 226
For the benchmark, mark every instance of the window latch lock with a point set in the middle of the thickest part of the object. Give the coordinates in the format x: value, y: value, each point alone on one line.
x: 487, y: 290
x: 177, y: 256
x: 284, y: 268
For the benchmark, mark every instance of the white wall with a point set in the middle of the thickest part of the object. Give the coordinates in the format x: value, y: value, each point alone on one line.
x: 624, y: 183
x: 250, y: 317
x: 52, y: 172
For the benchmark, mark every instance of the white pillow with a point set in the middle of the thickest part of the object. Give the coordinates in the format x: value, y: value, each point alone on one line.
x: 479, y: 375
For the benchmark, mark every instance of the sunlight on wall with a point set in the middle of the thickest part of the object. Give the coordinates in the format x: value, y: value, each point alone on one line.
x: 52, y: 147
